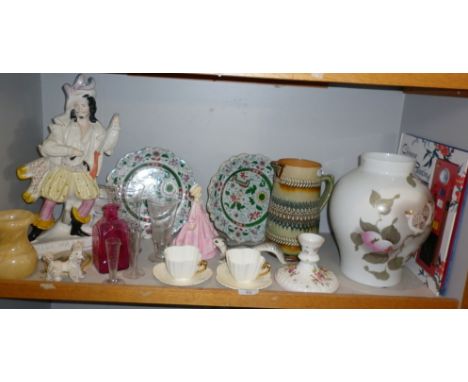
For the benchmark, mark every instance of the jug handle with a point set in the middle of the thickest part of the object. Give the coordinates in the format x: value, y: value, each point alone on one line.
x: 278, y: 168
x: 329, y: 185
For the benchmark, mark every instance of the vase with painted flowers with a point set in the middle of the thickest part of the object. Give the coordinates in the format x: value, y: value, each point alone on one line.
x: 380, y: 213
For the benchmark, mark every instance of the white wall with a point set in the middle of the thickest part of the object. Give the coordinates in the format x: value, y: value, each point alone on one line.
x: 205, y: 122
x: 21, y: 131
x: 445, y: 120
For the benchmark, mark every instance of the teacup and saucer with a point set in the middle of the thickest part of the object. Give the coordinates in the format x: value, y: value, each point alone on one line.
x: 182, y: 266
x: 245, y: 268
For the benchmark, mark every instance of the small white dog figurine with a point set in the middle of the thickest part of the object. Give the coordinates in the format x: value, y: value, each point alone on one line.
x: 57, y: 269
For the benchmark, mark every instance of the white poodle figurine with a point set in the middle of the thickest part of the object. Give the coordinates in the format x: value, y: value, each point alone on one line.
x: 57, y: 269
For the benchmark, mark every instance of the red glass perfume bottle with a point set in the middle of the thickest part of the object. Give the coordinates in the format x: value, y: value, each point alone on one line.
x: 110, y: 225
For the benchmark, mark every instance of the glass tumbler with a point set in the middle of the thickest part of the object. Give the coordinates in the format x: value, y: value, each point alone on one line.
x: 113, y: 251
x: 162, y: 213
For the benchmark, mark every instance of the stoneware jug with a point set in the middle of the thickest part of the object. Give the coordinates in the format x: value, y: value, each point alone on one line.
x: 18, y: 258
x: 296, y: 202
x: 379, y: 213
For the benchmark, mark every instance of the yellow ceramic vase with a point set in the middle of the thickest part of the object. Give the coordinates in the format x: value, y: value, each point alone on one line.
x: 18, y: 258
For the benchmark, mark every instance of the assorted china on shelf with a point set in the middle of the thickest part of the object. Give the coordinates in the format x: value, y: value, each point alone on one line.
x: 379, y: 213
x: 237, y: 218
x: 233, y: 225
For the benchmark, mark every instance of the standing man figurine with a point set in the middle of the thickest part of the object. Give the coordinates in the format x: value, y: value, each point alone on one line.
x: 71, y: 160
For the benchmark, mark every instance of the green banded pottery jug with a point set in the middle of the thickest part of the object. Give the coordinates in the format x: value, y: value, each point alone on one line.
x: 296, y: 202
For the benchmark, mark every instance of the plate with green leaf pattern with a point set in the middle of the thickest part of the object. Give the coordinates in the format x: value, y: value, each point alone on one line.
x: 238, y: 197
x: 162, y: 173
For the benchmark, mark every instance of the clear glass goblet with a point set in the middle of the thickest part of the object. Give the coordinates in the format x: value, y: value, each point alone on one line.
x: 136, y: 230
x: 113, y: 252
x: 162, y: 213
x: 114, y: 194
x: 135, y: 197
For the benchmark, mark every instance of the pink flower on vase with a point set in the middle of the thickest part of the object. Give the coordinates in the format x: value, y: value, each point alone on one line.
x: 373, y: 241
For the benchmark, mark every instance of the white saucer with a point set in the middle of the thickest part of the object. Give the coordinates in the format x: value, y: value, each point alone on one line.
x: 224, y: 277
x: 161, y: 273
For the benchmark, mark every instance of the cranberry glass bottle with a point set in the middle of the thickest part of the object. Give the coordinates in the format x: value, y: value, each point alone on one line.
x: 110, y: 225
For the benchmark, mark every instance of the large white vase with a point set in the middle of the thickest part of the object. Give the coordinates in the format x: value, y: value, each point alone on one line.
x: 379, y: 214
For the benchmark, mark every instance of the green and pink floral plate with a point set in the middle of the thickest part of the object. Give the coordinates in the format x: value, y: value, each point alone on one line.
x: 238, y: 197
x: 162, y: 173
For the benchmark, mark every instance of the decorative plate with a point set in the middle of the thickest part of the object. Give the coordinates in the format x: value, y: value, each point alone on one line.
x: 238, y: 197
x: 162, y: 173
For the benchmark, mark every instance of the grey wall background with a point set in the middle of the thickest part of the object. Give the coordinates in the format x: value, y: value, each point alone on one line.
x: 445, y: 120
x: 206, y: 122
x: 21, y: 122
x: 20, y: 119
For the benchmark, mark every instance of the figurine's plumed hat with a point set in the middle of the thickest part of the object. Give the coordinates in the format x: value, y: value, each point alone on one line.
x: 83, y: 86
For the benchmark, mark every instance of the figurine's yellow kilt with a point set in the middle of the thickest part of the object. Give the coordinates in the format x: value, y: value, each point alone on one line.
x: 60, y: 183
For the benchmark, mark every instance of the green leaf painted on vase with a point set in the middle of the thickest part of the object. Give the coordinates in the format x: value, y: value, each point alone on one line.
x: 375, y: 258
x: 357, y: 240
x: 378, y: 275
x: 366, y: 227
x: 395, y: 263
x: 251, y: 201
x: 384, y: 206
x: 410, y: 180
x: 374, y: 198
x: 391, y: 234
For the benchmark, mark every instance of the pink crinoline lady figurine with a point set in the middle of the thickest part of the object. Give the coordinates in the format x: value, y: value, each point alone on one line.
x: 198, y: 230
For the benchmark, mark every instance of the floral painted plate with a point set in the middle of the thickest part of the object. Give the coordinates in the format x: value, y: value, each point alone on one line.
x: 238, y: 197
x: 162, y: 173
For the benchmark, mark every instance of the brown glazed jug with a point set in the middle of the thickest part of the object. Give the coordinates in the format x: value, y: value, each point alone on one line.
x: 18, y: 258
x: 296, y: 202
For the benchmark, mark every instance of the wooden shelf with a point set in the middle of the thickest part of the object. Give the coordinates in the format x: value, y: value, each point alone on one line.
x: 411, y: 293
x: 453, y: 84
x: 401, y: 80
x: 212, y: 297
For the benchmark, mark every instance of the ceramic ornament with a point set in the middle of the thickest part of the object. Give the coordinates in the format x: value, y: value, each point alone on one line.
x: 268, y: 247
x: 198, y: 230
x: 307, y: 275
x: 71, y: 160
x: 162, y: 173
x: 380, y: 213
x: 57, y: 269
x: 238, y: 198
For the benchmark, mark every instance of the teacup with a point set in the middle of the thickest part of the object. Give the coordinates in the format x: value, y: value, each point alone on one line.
x: 246, y: 264
x: 184, y: 261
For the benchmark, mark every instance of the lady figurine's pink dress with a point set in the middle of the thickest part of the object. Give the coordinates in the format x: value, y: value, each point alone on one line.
x: 198, y: 230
